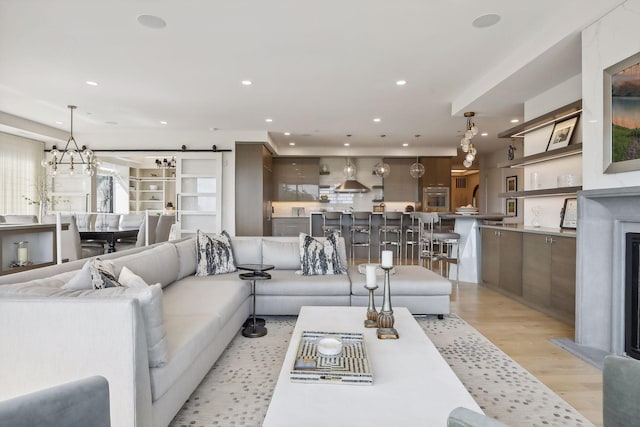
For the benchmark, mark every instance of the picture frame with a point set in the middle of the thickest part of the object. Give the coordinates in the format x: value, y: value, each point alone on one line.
x: 511, y: 184
x: 569, y: 214
x: 511, y: 207
x: 621, y: 112
x: 561, y: 134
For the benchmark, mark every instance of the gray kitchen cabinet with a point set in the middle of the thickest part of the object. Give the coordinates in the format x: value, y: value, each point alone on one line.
x: 253, y: 190
x: 290, y: 226
x: 295, y: 179
x: 502, y: 260
x: 549, y: 274
x: 437, y: 171
x: 399, y: 186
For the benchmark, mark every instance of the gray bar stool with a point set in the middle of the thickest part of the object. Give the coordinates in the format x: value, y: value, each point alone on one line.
x: 446, y: 245
x: 412, y: 236
x: 360, y: 233
x: 331, y: 221
x: 392, y: 225
x: 426, y: 223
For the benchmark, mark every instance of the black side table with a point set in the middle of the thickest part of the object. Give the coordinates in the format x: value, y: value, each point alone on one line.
x: 253, y: 327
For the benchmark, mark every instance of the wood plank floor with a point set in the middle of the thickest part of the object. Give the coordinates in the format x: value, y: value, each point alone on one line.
x: 523, y: 334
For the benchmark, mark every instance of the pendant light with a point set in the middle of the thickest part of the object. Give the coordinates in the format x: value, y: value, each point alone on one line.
x: 465, y: 142
x: 381, y: 168
x: 416, y: 170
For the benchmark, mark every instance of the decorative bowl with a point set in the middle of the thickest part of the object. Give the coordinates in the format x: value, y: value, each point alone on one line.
x: 329, y: 346
x: 466, y: 209
x: 153, y: 187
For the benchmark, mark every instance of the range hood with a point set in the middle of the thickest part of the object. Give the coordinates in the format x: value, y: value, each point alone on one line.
x: 351, y: 186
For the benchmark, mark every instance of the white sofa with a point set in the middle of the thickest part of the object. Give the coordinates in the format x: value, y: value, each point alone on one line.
x: 49, y: 338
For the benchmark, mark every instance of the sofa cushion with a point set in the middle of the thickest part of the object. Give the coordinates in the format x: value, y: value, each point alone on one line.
x: 407, y: 280
x: 214, y: 254
x: 158, y: 264
x: 287, y: 282
x: 247, y: 250
x: 95, y: 274
x: 186, y: 257
x: 319, y: 257
x: 283, y: 255
x: 129, y: 279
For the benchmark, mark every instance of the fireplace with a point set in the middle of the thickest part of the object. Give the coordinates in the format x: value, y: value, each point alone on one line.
x: 632, y: 306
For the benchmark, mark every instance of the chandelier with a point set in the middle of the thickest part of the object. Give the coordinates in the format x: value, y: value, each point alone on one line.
x: 75, y: 156
x: 465, y: 142
x: 166, y: 164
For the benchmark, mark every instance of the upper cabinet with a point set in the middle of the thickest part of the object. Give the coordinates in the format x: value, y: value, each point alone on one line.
x: 295, y: 179
x: 399, y: 186
x: 437, y: 171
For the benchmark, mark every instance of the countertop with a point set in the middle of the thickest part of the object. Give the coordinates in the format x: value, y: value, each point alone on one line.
x: 493, y: 216
x: 537, y: 230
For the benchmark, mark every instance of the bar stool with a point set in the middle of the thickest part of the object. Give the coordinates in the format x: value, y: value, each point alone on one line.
x: 392, y: 224
x: 426, y: 222
x: 360, y: 233
x: 331, y: 221
x: 446, y: 249
x: 412, y: 236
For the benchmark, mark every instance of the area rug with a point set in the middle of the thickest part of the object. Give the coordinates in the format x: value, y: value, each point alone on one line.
x: 238, y: 389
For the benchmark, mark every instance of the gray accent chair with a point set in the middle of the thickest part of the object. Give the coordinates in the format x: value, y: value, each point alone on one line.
x: 620, y: 391
x: 78, y: 403
x: 463, y: 417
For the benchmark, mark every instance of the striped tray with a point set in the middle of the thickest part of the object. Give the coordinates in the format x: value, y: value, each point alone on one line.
x: 350, y: 367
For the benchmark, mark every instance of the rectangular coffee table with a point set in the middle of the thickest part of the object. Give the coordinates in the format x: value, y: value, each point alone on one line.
x: 412, y: 383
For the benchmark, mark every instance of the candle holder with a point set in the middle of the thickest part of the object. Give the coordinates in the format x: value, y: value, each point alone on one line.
x: 385, y: 317
x: 372, y: 314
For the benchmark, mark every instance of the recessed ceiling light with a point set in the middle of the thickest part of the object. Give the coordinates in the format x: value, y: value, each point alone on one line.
x: 401, y: 82
x: 247, y: 82
x: 59, y: 123
x: 515, y: 120
x: 404, y: 144
x: 292, y: 143
x: 485, y: 21
x: 268, y: 120
x: 153, y: 22
x: 377, y: 120
x: 287, y: 133
x: 484, y: 134
x: 163, y: 122
x: 90, y: 83
x: 346, y: 144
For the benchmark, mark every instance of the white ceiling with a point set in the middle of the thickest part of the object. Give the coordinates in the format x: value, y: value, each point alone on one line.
x: 320, y: 70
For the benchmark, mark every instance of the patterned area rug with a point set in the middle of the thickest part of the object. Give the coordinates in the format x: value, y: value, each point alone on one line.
x: 237, y: 390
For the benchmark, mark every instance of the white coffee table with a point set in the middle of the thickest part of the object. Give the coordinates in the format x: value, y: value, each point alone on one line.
x: 412, y: 383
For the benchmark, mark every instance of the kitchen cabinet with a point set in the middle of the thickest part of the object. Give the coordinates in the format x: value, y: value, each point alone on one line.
x: 549, y: 274
x: 399, y: 186
x: 437, y: 171
x: 296, y: 179
x: 253, y: 189
x: 290, y: 226
x: 502, y: 260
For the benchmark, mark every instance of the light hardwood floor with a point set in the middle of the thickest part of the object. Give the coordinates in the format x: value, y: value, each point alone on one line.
x: 523, y: 334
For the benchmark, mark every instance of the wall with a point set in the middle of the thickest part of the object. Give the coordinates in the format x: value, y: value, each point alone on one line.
x: 608, y: 41
x: 492, y: 181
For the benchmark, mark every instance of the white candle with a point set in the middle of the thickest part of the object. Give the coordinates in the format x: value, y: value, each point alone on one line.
x: 371, y: 276
x: 387, y: 259
x: 23, y: 256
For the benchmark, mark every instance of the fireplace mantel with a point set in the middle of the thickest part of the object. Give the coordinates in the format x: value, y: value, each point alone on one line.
x: 604, y: 218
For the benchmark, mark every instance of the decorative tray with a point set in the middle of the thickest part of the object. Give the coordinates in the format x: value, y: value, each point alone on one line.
x: 350, y: 367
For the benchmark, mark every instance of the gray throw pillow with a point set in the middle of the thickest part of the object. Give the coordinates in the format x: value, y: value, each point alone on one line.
x: 214, y: 254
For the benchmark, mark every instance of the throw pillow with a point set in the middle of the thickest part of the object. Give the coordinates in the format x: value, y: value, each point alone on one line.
x: 214, y: 254
x: 129, y: 279
x: 95, y: 274
x: 319, y: 257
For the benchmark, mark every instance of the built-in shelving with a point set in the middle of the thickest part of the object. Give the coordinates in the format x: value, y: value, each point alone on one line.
x: 546, y: 192
x: 151, y: 188
x: 563, y: 113
x: 569, y: 150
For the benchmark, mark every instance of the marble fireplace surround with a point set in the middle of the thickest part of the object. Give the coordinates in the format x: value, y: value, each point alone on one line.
x: 604, y: 217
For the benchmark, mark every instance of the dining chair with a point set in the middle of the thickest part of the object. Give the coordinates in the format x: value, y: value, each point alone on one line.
x: 71, y: 245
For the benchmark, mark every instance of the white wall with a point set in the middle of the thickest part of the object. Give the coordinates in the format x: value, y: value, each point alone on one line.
x: 608, y: 41
x: 493, y: 179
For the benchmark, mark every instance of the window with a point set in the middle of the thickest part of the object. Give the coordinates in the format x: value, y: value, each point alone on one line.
x: 20, y: 171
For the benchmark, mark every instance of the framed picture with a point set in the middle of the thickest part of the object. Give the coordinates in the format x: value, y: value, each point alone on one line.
x: 569, y: 214
x: 621, y: 122
x: 512, y: 184
x: 511, y: 207
x: 561, y: 135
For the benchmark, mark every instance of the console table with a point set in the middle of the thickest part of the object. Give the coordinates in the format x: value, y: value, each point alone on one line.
x: 42, y: 245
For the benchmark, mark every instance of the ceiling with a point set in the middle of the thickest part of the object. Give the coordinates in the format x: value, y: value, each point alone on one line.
x: 319, y: 70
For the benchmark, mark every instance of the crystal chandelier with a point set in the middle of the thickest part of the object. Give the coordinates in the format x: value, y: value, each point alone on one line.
x: 74, y: 154
x: 465, y: 142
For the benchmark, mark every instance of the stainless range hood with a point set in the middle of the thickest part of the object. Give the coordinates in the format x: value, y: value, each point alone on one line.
x: 351, y: 186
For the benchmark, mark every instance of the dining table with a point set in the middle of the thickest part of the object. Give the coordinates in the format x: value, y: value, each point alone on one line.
x: 109, y: 234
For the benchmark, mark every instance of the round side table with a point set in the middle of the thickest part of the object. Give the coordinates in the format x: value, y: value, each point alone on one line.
x: 254, y: 327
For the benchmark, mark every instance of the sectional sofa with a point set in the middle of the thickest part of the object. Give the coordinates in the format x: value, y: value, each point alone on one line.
x: 155, y: 344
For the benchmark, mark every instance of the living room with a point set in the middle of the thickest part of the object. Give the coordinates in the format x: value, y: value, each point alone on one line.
x: 135, y: 110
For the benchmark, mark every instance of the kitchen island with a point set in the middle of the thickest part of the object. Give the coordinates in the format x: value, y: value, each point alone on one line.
x: 467, y: 226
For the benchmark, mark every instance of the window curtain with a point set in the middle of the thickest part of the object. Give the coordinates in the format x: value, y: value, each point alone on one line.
x: 20, y: 172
